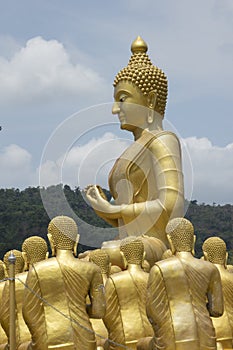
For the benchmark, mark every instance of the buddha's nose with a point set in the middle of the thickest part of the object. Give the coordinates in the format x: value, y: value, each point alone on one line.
x: 115, y: 108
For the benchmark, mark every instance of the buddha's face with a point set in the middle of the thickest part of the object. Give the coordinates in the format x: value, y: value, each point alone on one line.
x: 130, y: 105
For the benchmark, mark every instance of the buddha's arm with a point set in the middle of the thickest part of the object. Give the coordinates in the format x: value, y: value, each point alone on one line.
x: 33, y: 311
x: 97, y: 307
x: 113, y: 318
x: 155, y: 291
x: 113, y: 222
x: 4, y: 310
x: 215, y: 297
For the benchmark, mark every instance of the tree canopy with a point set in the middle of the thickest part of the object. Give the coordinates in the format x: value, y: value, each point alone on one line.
x: 22, y: 214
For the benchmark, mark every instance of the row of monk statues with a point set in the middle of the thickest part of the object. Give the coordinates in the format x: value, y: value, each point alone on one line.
x: 65, y: 302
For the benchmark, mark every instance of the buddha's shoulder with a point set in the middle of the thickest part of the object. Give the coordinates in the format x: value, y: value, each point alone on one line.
x: 164, y: 136
x: 44, y: 264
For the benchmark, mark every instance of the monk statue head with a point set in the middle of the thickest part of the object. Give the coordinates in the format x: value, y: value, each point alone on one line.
x: 141, y: 83
x: 101, y: 258
x: 180, y: 233
x: 2, y: 270
x: 34, y: 249
x: 133, y: 250
x: 63, y: 234
x: 215, y: 251
x: 19, y: 262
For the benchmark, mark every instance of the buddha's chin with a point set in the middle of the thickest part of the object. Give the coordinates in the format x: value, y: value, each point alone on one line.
x: 125, y: 126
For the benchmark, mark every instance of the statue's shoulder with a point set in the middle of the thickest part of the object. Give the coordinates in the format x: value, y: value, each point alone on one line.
x: 166, y: 263
x: 164, y: 135
x: 87, y: 266
x: 41, y: 265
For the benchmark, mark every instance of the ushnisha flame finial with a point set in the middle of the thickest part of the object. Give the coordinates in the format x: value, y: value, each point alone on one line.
x: 139, y: 45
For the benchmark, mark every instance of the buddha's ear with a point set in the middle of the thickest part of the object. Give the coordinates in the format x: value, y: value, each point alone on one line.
x: 194, y: 242
x: 205, y: 256
x: 52, y: 245
x: 173, y: 250
x: 47, y: 256
x: 152, y: 99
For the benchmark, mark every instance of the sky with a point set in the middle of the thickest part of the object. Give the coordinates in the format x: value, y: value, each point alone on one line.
x: 58, y: 60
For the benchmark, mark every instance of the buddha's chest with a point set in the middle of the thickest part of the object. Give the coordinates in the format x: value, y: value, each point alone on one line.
x: 132, y: 176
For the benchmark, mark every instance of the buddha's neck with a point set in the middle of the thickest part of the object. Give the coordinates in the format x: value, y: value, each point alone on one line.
x: 184, y: 254
x: 156, y: 126
x: 134, y: 268
x: 64, y: 253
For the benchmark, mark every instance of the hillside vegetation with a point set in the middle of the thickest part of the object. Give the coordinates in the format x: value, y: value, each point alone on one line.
x: 22, y: 214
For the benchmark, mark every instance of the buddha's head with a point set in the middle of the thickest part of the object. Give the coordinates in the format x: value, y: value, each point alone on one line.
x: 19, y: 262
x: 133, y: 250
x: 141, y: 83
x: 34, y: 249
x: 63, y: 234
x: 2, y: 270
x: 101, y: 258
x: 215, y: 251
x: 180, y: 233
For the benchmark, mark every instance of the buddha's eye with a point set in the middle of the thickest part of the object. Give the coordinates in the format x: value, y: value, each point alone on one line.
x: 122, y: 98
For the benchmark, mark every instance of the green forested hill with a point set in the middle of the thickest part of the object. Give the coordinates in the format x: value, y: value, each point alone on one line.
x: 22, y: 215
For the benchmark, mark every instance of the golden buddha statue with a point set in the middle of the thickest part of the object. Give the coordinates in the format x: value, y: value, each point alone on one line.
x: 34, y: 249
x: 146, y: 181
x: 214, y: 249
x: 101, y: 259
x: 178, y: 289
x: 3, y: 337
x: 125, y: 293
x: 60, y: 319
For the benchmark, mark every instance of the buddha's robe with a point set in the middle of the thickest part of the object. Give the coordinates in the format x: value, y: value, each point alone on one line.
x: 224, y: 324
x: 23, y: 336
x: 3, y: 337
x: 60, y: 319
x: 148, y: 177
x: 178, y: 289
x: 125, y: 317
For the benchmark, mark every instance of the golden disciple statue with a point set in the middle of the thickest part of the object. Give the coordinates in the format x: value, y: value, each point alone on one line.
x: 3, y: 337
x: 125, y: 317
x: 146, y: 181
x: 23, y: 336
x: 214, y: 249
x: 178, y: 290
x: 101, y: 259
x: 34, y: 249
x: 55, y: 308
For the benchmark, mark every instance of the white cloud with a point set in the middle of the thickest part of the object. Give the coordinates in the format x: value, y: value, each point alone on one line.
x: 207, y: 168
x: 43, y: 69
x: 91, y: 163
x: 86, y: 164
x: 16, y: 169
x: 212, y: 170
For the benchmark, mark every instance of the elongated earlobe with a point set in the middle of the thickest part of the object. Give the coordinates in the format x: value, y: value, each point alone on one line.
x: 225, y: 262
x: 173, y: 250
x: 124, y: 260
x: 150, y: 117
x: 52, y: 245
x: 194, y: 242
